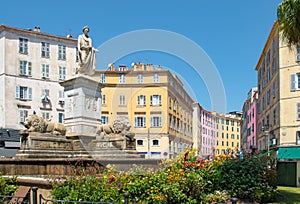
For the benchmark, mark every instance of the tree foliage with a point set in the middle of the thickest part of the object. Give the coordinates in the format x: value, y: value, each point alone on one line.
x: 288, y: 14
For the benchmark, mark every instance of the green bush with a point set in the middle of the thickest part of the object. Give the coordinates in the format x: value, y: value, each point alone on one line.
x: 186, y: 179
x: 249, y: 178
x: 8, y: 185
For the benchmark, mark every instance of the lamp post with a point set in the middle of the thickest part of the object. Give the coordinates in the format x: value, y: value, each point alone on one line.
x: 266, y: 133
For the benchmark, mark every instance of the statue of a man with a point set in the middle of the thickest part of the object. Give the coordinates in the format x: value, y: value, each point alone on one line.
x: 86, y: 54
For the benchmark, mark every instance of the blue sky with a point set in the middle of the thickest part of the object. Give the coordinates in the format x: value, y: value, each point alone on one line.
x: 232, y: 33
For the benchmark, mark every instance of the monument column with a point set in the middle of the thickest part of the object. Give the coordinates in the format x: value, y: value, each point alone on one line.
x: 82, y: 105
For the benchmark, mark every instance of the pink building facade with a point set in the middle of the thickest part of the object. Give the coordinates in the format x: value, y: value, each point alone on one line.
x: 209, y: 137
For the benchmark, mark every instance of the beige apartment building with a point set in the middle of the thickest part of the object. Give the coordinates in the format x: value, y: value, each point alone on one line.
x: 279, y: 96
x: 228, y: 130
x: 32, y: 64
x: 156, y: 104
x: 278, y: 119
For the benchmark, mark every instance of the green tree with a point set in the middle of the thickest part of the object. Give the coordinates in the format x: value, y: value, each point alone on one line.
x: 288, y: 14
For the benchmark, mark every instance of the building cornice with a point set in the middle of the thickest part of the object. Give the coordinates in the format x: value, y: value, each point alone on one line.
x: 32, y: 32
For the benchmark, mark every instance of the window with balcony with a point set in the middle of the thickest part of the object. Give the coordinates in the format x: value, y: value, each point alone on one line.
x: 62, y: 52
x: 45, y: 50
x: 24, y: 93
x: 23, y: 46
x: 45, y: 71
x: 25, y: 68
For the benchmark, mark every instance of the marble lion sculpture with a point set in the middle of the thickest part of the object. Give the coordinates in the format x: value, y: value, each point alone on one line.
x: 116, y: 127
x: 35, y: 123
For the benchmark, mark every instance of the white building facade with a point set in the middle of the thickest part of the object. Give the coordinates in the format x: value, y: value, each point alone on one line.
x: 32, y: 64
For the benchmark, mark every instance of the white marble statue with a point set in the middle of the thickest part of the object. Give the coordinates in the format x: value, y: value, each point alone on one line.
x: 86, y: 54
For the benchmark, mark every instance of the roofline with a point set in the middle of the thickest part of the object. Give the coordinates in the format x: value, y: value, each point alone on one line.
x: 271, y: 35
x: 5, y: 27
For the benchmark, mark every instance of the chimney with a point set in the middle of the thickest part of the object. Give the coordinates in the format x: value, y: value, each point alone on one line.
x: 111, y: 67
x: 37, y: 29
x: 149, y: 67
x: 159, y: 67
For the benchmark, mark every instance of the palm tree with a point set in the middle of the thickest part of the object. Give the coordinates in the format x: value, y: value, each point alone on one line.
x: 288, y: 14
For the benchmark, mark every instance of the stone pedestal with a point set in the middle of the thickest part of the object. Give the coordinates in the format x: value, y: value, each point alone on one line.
x: 47, y: 145
x: 82, y: 105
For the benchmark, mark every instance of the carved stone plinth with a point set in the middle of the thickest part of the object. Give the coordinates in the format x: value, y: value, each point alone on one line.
x: 82, y: 105
x: 46, y: 145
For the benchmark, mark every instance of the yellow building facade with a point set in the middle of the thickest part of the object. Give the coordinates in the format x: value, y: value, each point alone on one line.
x: 156, y: 104
x: 228, y: 133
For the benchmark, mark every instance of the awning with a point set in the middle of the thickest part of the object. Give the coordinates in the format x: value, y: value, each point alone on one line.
x: 288, y: 153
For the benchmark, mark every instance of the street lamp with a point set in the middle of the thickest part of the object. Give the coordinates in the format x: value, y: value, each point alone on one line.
x: 266, y: 132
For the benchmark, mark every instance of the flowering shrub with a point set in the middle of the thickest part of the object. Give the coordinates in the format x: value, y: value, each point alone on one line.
x: 185, y: 179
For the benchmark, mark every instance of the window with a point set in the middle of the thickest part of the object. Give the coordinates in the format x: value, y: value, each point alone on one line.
x: 103, y: 99
x: 155, y: 100
x: 25, y: 68
x: 232, y: 136
x: 61, y: 52
x: 139, y: 121
x: 60, y: 117
x: 227, y: 122
x: 61, y: 95
x: 155, y: 121
x: 222, y: 143
x: 102, y: 78
x: 298, y: 54
x: 298, y: 111
x: 46, y: 116
x: 268, y: 97
x: 298, y: 138
x: 295, y: 82
x: 232, y: 144
x: 45, y: 70
x: 62, y: 73
x: 45, y: 51
x: 45, y: 93
x: 104, y: 119
x: 273, y: 89
x: 23, y: 93
x: 222, y: 135
x: 141, y: 100
x: 140, y: 79
x: 122, y: 101
x: 140, y: 142
x: 155, y: 78
x: 155, y: 142
x: 122, y: 79
x: 23, y: 46
x: 22, y: 115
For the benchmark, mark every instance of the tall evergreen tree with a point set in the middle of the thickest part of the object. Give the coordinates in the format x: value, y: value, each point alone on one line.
x: 288, y: 14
